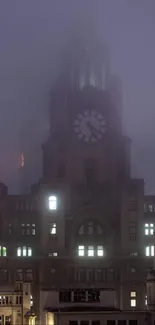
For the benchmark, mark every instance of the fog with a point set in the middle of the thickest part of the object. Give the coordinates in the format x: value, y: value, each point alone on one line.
x: 32, y: 33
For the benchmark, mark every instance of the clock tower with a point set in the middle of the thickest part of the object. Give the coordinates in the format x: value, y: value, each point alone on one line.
x: 86, y: 119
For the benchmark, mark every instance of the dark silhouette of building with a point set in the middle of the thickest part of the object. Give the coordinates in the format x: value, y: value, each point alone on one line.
x: 84, y: 236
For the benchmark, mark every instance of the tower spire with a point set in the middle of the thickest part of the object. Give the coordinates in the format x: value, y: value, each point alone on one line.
x: 85, y: 60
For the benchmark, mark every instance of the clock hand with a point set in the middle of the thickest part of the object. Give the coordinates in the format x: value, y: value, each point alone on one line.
x: 93, y: 129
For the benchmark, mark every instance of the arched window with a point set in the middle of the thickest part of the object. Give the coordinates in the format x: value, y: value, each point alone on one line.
x: 3, y: 251
x: 90, y: 228
x: 24, y: 251
x: 52, y: 201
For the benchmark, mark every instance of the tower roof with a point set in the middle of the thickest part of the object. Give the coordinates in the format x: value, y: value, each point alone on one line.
x: 85, y: 58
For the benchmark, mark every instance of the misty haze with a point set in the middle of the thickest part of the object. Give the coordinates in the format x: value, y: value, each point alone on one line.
x: 32, y: 34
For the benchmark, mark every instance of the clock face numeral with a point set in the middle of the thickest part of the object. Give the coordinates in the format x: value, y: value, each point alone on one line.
x: 90, y: 126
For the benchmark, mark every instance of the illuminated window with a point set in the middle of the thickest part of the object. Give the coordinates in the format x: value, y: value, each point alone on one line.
x: 150, y: 207
x: 90, y: 250
x: 24, y: 251
x: 149, y: 229
x: 149, y: 250
x: 81, y: 250
x: 100, y: 251
x: 52, y: 203
x: 31, y: 300
x: 145, y: 300
x: 3, y: 251
x: 53, y: 229
x: 53, y: 254
x: 133, y: 298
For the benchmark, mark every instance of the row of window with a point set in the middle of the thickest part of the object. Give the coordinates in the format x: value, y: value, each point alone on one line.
x: 88, y: 229
x: 30, y: 229
x: 19, y: 275
x: 149, y: 207
x: 90, y: 251
x: 109, y: 322
x: 9, y: 300
x: 91, y: 295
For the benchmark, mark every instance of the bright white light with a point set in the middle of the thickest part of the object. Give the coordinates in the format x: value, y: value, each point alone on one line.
x: 90, y: 251
x: 100, y: 251
x: 24, y: 251
x: 53, y: 229
x: 149, y: 250
x: 52, y: 200
x: 81, y: 250
x: 29, y: 251
x: 19, y: 251
x: 133, y: 302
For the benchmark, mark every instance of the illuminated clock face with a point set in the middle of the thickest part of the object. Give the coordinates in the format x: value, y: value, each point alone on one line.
x: 90, y: 126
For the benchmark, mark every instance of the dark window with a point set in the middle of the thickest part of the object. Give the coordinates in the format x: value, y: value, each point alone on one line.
x: 98, y: 275
x: 95, y: 322
x: 90, y: 275
x: 79, y: 296
x: 133, y: 322
x: 19, y: 275
x: 121, y: 322
x: 73, y: 322
x: 65, y: 296
x: 29, y: 275
x: 132, y: 205
x: 84, y: 322
x: 8, y: 320
x: 93, y: 295
x: 3, y: 274
x: 111, y: 322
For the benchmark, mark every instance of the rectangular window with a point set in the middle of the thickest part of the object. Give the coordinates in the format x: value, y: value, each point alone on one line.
x: 3, y: 251
x: 53, y: 254
x: 53, y: 229
x: 150, y: 207
x: 79, y: 296
x: 133, y: 298
x: 9, y: 228
x: 90, y: 250
x: 100, y: 251
x: 149, y: 250
x: 52, y: 202
x: 29, y: 275
x: 3, y: 274
x: 19, y: 275
x: 24, y: 251
x: 33, y: 229
x: 149, y: 229
x: 81, y: 250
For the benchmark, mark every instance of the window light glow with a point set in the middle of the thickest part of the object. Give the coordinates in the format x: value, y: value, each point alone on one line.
x: 81, y: 250
x: 149, y: 250
x: 52, y: 202
x: 90, y: 250
x: 100, y: 250
x: 149, y: 229
x: 24, y: 251
x: 53, y: 229
x: 133, y: 298
x: 3, y: 251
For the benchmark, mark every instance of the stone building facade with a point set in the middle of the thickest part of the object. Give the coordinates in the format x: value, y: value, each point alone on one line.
x: 84, y: 237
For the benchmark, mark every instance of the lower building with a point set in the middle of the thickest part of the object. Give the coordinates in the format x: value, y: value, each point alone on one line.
x: 15, y: 305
